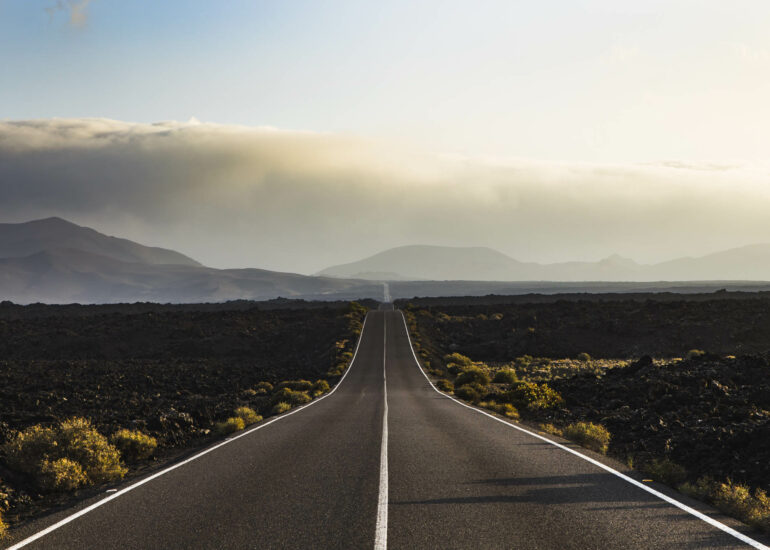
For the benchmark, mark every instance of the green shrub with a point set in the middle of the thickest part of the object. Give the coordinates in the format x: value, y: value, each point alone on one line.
x: 3, y: 528
x: 533, y: 396
x: 62, y: 474
x: 134, y: 445
x: 666, y: 471
x: 232, y: 424
x: 281, y: 407
x: 445, y: 385
x: 248, y: 415
x: 467, y: 393
x: 37, y: 448
x: 290, y: 396
x: 472, y: 374
x: 296, y: 385
x: 249, y: 392
x: 584, y: 357
x: 505, y: 376
x: 264, y: 387
x: 589, y: 435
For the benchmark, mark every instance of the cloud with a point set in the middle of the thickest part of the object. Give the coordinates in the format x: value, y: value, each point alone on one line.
x: 299, y: 201
x: 77, y: 10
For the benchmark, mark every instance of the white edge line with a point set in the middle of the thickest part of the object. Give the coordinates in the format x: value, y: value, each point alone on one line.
x: 141, y: 482
x: 381, y: 530
x: 729, y: 530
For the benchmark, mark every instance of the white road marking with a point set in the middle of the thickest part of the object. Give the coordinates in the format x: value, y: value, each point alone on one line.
x: 714, y: 523
x: 381, y: 530
x: 141, y: 482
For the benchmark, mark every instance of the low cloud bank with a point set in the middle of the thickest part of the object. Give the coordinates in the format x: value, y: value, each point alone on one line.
x: 240, y: 196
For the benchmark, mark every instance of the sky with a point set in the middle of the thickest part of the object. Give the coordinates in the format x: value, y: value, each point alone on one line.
x: 296, y: 135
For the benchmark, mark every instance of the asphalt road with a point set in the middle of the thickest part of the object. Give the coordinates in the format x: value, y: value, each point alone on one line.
x: 449, y: 477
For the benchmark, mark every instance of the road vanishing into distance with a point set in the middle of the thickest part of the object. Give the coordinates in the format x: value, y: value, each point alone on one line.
x: 384, y: 460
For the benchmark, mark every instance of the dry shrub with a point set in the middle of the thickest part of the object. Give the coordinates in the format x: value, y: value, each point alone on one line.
x: 589, y: 435
x: 134, y: 445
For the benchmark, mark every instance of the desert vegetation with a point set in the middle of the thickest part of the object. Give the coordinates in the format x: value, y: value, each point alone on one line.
x: 657, y: 383
x: 89, y: 392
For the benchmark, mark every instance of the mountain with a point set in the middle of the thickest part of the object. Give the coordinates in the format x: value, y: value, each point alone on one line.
x: 55, y: 261
x: 442, y: 263
x: 23, y: 239
x: 433, y: 263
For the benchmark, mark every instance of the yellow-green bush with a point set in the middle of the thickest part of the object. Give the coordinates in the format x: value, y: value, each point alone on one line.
x: 248, y: 415
x: 700, y: 490
x: 695, y: 353
x: 736, y: 499
x: 75, y: 440
x: 533, y: 396
x: 505, y: 409
x: 445, y: 385
x: 471, y: 375
x: 62, y: 474
x: 505, y: 376
x: 337, y: 370
x: 551, y: 429
x: 3, y: 528
x: 232, y: 424
x: 296, y: 385
x: 467, y: 393
x: 264, y: 387
x: 589, y: 435
x: 290, y: 396
x: 281, y: 407
x: 666, y: 471
x: 320, y: 387
x: 133, y: 444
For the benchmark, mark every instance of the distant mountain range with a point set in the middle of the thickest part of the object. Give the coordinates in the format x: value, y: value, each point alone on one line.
x: 442, y: 263
x: 55, y: 261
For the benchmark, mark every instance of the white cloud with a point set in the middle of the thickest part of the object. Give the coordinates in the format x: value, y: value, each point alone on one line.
x: 299, y: 201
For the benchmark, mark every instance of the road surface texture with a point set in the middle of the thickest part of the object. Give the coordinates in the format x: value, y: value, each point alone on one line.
x: 320, y: 477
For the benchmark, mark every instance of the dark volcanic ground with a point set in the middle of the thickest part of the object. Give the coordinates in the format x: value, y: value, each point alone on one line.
x: 172, y: 372
x: 709, y: 414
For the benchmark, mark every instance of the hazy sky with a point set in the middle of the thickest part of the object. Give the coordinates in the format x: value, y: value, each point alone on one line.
x: 549, y: 130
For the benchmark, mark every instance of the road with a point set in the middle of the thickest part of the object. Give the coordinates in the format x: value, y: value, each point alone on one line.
x: 447, y: 476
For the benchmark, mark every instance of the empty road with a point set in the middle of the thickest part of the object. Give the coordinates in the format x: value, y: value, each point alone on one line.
x: 383, y: 461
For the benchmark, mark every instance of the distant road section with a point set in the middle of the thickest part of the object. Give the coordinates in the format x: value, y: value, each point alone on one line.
x: 319, y: 477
